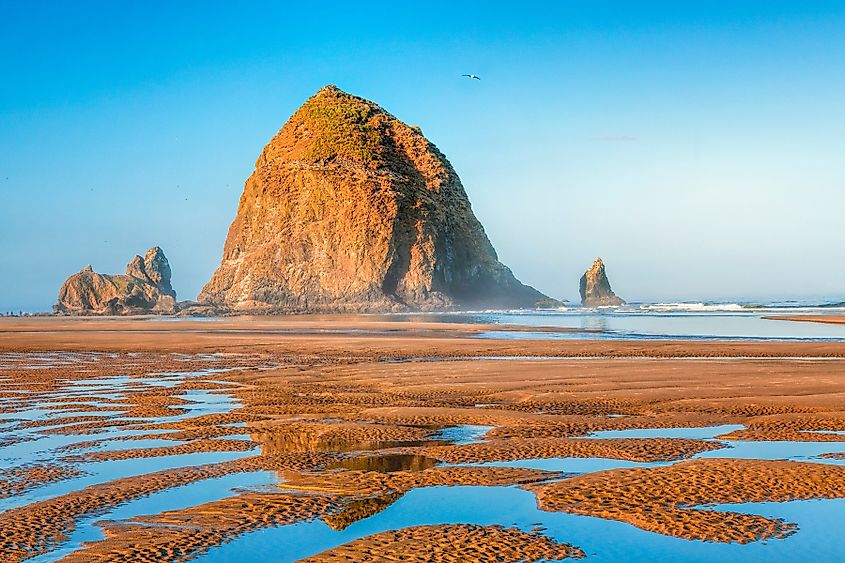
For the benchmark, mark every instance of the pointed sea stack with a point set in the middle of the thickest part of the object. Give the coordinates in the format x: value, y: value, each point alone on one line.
x: 351, y: 210
x: 595, y: 288
x: 144, y: 288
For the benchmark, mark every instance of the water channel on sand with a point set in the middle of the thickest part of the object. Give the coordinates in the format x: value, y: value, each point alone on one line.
x: 602, y: 540
x: 28, y: 430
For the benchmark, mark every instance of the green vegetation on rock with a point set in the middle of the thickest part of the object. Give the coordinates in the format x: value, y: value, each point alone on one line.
x: 344, y: 128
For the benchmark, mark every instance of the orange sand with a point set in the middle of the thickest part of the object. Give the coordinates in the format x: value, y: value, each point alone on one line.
x: 38, y: 527
x: 664, y: 499
x: 189, y: 448
x: 644, y: 450
x: 451, y: 543
x: 827, y: 319
x: 170, y: 534
x: 21, y: 479
x: 330, y: 396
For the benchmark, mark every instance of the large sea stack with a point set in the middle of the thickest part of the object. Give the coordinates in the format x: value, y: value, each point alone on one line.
x: 351, y: 210
x: 144, y: 288
x: 595, y: 288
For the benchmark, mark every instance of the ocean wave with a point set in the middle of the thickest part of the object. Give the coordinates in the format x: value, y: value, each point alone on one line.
x: 738, y: 308
x: 692, y: 307
x: 661, y: 309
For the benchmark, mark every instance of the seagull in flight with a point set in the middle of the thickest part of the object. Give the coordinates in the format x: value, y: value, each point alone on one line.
x: 472, y: 76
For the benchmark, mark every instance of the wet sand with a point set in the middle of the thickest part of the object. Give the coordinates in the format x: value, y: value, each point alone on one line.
x: 456, y: 543
x: 19, y: 479
x: 826, y: 319
x: 170, y: 534
x: 346, y: 338
x: 350, y: 418
x: 668, y: 500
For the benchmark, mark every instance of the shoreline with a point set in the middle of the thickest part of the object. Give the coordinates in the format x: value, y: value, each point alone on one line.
x: 362, y: 338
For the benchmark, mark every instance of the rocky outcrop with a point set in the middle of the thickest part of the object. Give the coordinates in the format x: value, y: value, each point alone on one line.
x: 349, y: 209
x: 595, y: 288
x: 144, y: 288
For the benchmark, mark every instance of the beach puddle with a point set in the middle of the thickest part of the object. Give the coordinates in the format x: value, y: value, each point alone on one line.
x: 776, y: 450
x: 602, y: 540
x: 306, y: 438
x: 644, y: 322
x: 34, y: 448
x: 105, y: 471
x: 34, y: 435
x: 175, y: 498
x: 461, y: 435
x: 569, y: 465
x: 733, y: 449
x: 694, y: 433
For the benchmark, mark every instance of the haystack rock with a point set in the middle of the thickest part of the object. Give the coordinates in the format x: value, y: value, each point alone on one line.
x: 595, y: 288
x: 144, y: 288
x: 351, y: 210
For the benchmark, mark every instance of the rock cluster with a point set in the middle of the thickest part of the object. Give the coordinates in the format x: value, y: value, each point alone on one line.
x: 595, y: 288
x: 351, y: 210
x: 144, y: 288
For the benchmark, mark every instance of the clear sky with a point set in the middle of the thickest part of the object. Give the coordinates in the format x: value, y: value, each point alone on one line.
x: 697, y: 146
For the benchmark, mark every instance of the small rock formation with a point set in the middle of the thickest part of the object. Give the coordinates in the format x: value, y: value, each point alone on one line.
x: 351, y: 210
x: 595, y: 288
x: 144, y: 288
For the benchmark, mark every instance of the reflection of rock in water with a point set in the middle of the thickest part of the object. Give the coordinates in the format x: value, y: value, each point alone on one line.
x: 598, y: 324
x: 387, y: 463
x: 360, y: 509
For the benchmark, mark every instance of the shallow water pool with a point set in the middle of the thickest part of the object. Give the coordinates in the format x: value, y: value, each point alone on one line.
x: 602, y: 540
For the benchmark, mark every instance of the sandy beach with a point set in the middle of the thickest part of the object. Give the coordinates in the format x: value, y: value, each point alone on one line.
x: 825, y: 319
x: 422, y: 282
x: 353, y: 414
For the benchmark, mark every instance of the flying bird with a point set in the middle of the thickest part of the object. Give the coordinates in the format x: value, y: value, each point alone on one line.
x: 472, y: 76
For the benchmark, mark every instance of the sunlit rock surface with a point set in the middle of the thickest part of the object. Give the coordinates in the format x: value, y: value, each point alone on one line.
x: 144, y: 288
x: 595, y: 288
x: 349, y: 209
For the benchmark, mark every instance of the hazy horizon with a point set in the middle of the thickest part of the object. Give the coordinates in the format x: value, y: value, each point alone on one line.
x: 697, y: 149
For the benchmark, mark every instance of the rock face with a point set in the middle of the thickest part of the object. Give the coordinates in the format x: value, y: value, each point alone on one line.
x: 351, y: 210
x: 145, y: 288
x: 595, y: 288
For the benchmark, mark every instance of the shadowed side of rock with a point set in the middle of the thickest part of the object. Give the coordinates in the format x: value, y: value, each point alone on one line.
x: 351, y: 210
x: 144, y: 288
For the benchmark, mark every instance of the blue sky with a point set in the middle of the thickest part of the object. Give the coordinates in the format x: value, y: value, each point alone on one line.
x: 696, y: 146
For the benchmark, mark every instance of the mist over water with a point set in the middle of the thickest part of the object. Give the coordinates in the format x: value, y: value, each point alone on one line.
x: 648, y: 321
